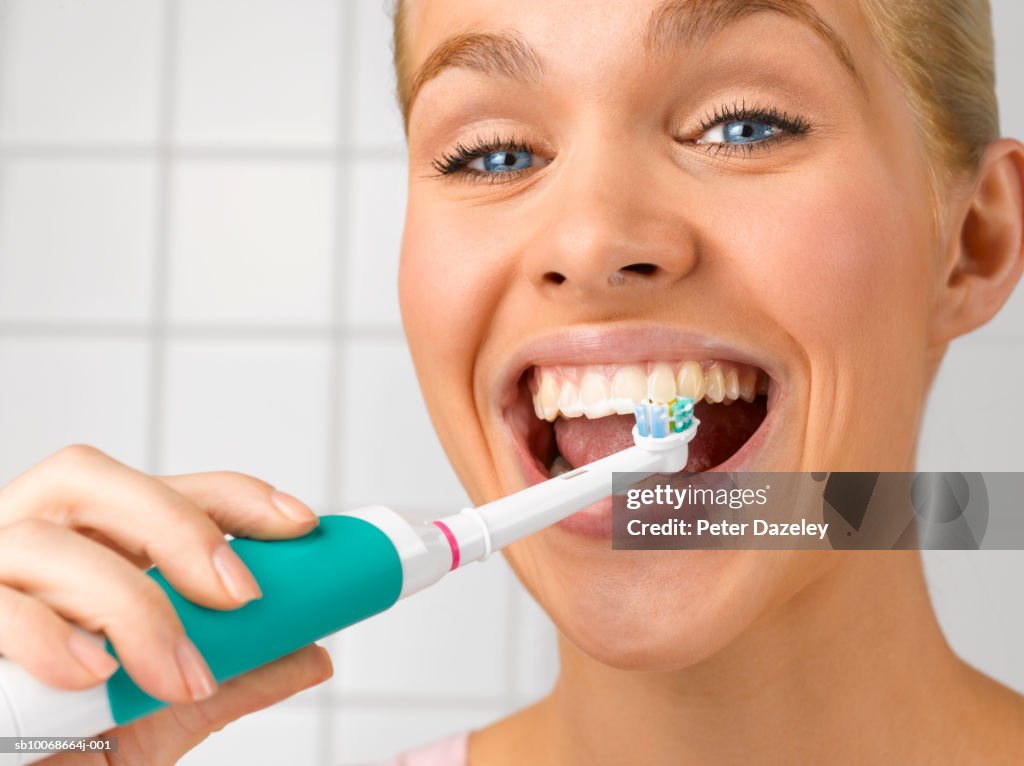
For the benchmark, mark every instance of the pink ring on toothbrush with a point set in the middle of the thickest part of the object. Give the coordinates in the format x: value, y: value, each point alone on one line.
x: 452, y: 543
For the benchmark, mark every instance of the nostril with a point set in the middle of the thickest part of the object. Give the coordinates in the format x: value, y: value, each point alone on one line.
x: 554, y: 277
x: 641, y: 268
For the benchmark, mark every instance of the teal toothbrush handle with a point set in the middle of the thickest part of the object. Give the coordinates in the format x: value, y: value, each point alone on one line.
x: 342, y: 572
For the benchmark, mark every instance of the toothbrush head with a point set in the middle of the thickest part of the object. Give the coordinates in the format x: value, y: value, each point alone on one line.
x: 659, y: 420
x: 665, y: 426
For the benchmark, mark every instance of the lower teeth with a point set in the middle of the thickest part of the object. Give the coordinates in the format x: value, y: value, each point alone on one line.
x: 560, y: 466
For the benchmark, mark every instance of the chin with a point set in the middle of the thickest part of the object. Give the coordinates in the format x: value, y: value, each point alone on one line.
x: 641, y: 610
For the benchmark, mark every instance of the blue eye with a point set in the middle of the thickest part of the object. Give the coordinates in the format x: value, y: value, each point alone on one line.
x: 501, y: 161
x: 740, y: 132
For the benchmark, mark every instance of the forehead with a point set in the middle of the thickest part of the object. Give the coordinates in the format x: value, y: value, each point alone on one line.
x: 600, y: 28
x: 585, y: 42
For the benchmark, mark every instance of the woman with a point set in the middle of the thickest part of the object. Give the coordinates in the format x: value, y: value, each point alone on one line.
x: 789, y: 205
x: 808, y: 198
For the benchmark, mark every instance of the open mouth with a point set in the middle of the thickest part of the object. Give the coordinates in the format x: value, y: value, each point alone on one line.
x: 571, y: 415
x: 567, y: 399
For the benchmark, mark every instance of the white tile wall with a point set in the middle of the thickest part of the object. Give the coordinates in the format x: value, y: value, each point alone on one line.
x: 59, y: 86
x: 377, y: 194
x: 534, y: 666
x: 251, y: 242
x: 106, y: 225
x: 966, y: 430
x: 971, y: 591
x: 1008, y: 324
x: 255, y: 406
x: 1008, y: 20
x: 202, y: 276
x: 200, y: 215
x: 451, y: 641
x: 272, y: 81
x: 380, y: 372
x: 376, y: 118
x: 271, y: 737
x: 60, y: 391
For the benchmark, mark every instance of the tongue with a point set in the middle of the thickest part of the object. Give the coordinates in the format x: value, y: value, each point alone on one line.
x: 582, y: 441
x: 723, y: 430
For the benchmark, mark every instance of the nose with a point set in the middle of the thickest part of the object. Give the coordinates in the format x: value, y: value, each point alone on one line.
x: 612, y: 229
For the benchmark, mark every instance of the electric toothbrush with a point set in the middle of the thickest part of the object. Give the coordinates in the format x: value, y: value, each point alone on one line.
x: 350, y: 567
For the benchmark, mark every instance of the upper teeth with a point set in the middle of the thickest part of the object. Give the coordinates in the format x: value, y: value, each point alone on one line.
x: 603, y: 389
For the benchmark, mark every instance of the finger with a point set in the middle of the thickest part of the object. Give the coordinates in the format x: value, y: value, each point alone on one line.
x: 140, y: 560
x: 47, y: 646
x: 166, y: 736
x: 82, y: 487
x: 102, y: 592
x: 257, y: 689
x: 244, y: 505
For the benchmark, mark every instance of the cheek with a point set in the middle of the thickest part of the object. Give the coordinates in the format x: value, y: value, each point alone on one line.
x: 843, y: 263
x: 449, y: 282
x: 438, y: 293
x: 847, y: 267
x: 449, y: 279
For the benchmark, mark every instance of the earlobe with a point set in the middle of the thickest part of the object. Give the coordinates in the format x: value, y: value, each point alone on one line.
x: 988, y: 249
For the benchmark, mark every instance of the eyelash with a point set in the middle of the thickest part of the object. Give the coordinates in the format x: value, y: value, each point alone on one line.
x: 454, y: 161
x: 792, y: 127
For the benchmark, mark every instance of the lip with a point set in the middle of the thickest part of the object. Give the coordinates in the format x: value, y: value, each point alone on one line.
x: 621, y: 345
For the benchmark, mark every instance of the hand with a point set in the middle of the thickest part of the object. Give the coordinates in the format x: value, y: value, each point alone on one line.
x: 77, y: 530
x: 167, y: 735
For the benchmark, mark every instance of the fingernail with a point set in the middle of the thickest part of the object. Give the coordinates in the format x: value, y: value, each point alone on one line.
x: 194, y: 670
x: 91, y: 654
x: 235, y: 575
x: 326, y: 663
x: 293, y: 508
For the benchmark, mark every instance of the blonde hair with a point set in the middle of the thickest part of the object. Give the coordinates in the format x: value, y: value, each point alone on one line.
x: 400, y: 57
x: 942, y: 52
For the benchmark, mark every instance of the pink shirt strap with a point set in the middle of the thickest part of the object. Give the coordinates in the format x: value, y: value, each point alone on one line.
x: 450, y: 751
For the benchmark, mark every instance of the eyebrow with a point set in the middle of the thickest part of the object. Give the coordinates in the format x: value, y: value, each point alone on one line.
x: 680, y: 22
x: 503, y: 54
x: 673, y: 23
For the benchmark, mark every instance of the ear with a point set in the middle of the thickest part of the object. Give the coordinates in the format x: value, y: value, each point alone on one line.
x: 987, y: 248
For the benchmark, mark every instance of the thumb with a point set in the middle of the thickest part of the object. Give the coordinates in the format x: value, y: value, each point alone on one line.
x: 253, y: 691
x: 164, y: 737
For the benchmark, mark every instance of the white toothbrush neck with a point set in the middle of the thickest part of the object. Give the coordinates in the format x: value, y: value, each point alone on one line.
x: 475, y: 533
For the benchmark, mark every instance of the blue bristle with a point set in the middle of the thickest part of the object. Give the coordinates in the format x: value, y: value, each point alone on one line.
x: 659, y: 420
x: 643, y: 419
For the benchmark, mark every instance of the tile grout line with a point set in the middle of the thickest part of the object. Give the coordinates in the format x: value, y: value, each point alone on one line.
x: 335, y: 452
x: 6, y: 12
x: 200, y: 152
x: 513, y: 629
x: 156, y: 330
x: 115, y: 330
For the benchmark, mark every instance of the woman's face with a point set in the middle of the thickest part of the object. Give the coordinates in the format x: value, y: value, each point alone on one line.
x: 609, y: 199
